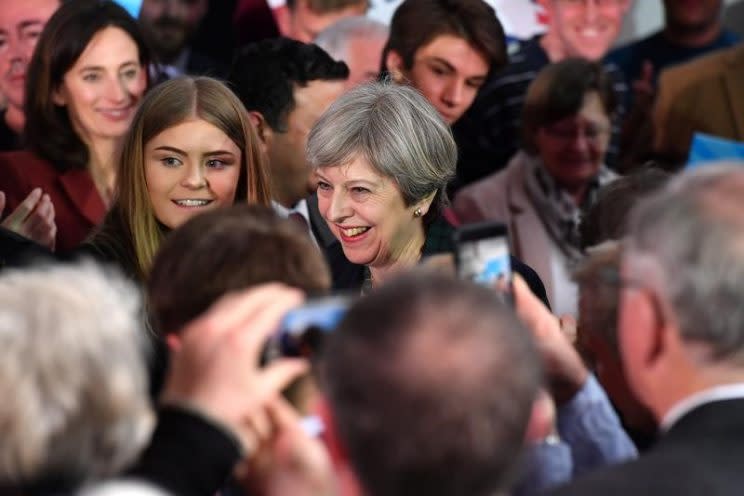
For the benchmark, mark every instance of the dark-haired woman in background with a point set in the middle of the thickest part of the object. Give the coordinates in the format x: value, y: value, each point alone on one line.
x: 84, y: 83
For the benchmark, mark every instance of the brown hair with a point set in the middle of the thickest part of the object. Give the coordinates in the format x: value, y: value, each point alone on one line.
x: 558, y: 92
x: 167, y: 105
x: 48, y: 131
x: 227, y: 250
x: 417, y: 22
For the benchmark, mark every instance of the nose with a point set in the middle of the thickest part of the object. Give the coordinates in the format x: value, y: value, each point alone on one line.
x: 339, y: 208
x: 590, y: 10
x: 581, y: 141
x: 116, y: 91
x: 17, y: 52
x: 454, y: 93
x: 194, y: 177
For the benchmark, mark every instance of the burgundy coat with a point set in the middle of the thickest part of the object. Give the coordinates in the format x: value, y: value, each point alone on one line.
x: 78, y: 206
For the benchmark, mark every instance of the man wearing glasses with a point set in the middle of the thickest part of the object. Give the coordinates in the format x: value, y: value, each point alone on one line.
x: 488, y: 134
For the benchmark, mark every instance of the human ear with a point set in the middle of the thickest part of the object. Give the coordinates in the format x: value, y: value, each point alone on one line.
x: 424, y: 205
x: 58, y: 97
x: 263, y: 130
x: 394, y: 66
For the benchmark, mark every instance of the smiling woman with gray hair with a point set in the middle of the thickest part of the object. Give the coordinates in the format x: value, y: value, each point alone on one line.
x: 383, y: 157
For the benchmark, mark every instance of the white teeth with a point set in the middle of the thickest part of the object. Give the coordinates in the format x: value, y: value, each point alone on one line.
x: 355, y: 231
x: 193, y: 203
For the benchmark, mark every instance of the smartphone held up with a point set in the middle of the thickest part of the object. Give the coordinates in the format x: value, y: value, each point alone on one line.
x: 482, y: 256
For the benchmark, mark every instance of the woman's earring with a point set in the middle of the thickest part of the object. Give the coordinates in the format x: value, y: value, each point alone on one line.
x: 417, y: 212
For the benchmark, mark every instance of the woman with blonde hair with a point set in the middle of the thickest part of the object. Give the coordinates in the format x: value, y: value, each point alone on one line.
x: 191, y: 149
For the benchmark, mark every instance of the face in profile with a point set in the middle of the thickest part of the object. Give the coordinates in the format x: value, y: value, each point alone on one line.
x: 586, y: 28
x: 366, y: 212
x: 572, y: 149
x: 289, y: 168
x: 448, y: 70
x: 190, y: 168
x: 102, y: 90
x: 169, y: 24
x: 303, y: 24
x: 21, y: 23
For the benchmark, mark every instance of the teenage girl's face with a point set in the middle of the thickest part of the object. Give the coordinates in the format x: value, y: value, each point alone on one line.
x: 191, y: 168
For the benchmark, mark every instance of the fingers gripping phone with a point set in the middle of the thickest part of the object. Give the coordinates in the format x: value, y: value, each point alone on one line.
x: 482, y: 255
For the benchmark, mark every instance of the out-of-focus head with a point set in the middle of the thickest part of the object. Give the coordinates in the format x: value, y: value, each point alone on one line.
x: 358, y: 41
x: 296, y: 84
x: 445, y: 49
x: 191, y: 149
x: 303, y: 20
x: 73, y: 374
x: 85, y: 80
x: 682, y: 274
x: 21, y: 23
x: 607, y: 217
x: 415, y: 380
x: 582, y: 28
x: 597, y: 277
x: 229, y: 250
x: 169, y: 24
x: 383, y: 157
x: 692, y: 16
x: 566, y: 120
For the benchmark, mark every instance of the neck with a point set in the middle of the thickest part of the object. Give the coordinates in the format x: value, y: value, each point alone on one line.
x: 15, y: 119
x: 102, y: 165
x: 692, y: 38
x: 553, y: 47
x: 406, y: 257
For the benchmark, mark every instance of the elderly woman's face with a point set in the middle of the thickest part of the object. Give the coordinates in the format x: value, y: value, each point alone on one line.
x: 366, y: 212
x: 572, y: 149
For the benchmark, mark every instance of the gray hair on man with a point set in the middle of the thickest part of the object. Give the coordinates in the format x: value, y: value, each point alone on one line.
x: 688, y: 241
x: 397, y: 131
x: 335, y: 38
x: 73, y: 375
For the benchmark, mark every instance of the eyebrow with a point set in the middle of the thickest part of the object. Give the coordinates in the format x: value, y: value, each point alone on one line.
x: 101, y: 68
x: 173, y: 149
x: 350, y: 181
x: 29, y: 23
x: 441, y: 61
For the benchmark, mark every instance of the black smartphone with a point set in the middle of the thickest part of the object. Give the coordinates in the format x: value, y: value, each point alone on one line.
x: 482, y: 255
x: 302, y: 330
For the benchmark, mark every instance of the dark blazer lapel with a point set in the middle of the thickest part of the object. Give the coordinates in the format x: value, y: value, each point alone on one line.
x: 734, y: 81
x: 82, y: 193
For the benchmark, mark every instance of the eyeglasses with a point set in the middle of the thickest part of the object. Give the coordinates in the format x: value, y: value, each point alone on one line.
x: 591, y: 132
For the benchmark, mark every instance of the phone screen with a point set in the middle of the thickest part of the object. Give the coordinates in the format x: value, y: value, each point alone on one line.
x: 131, y: 6
x: 485, y: 261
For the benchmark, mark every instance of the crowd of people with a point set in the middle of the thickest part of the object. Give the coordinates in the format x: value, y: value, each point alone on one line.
x: 179, y: 189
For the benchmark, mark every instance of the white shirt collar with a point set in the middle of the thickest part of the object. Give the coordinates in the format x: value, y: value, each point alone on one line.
x: 682, y: 408
x: 300, y: 208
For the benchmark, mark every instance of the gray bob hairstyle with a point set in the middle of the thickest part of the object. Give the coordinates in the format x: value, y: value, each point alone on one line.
x: 397, y: 131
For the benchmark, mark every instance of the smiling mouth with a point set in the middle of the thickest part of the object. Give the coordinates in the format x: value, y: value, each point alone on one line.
x: 192, y: 203
x: 353, y: 232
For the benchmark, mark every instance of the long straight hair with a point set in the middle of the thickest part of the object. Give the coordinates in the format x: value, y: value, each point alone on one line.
x: 168, y: 105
